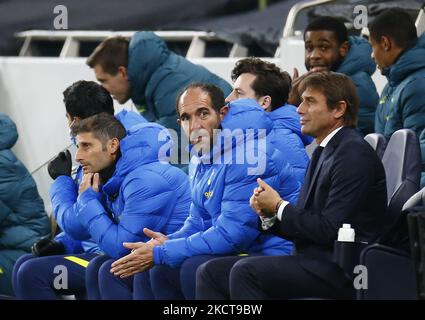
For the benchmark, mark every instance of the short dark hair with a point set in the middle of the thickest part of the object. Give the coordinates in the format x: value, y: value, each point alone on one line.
x: 86, y: 98
x: 110, y: 54
x: 269, y: 79
x: 335, y: 87
x: 396, y: 24
x: 329, y: 24
x: 103, y: 126
x: 215, y: 93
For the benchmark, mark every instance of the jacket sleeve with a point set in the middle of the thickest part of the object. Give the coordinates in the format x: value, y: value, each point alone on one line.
x: 197, y: 220
x: 350, y: 185
x: 71, y: 245
x: 4, y: 212
x: 234, y: 231
x: 9, y: 182
x: 148, y: 202
x: 63, y: 195
x: 413, y: 108
x: 289, y: 185
x: 380, y: 112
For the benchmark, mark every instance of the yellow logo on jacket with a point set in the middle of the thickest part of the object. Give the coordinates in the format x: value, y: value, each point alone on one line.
x: 208, y: 194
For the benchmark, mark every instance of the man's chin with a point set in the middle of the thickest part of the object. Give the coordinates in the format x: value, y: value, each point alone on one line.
x: 306, y: 131
x: 121, y: 100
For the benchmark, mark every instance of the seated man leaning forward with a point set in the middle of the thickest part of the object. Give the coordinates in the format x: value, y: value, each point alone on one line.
x: 127, y: 185
x: 231, y: 150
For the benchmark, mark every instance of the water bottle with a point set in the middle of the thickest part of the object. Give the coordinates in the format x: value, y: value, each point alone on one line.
x: 346, y: 233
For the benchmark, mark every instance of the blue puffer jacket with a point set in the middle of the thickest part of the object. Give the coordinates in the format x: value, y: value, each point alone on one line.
x: 157, y: 76
x: 402, y: 103
x: 144, y: 191
x: 359, y: 66
x: 221, y: 220
x: 22, y: 217
x: 286, y: 136
x: 63, y: 194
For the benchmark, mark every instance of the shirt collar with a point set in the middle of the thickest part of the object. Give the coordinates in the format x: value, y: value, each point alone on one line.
x: 329, y: 137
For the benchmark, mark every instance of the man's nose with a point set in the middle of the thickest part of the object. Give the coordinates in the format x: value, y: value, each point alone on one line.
x: 230, y: 97
x: 301, y: 109
x: 315, y: 54
x: 195, y: 124
x: 78, y: 156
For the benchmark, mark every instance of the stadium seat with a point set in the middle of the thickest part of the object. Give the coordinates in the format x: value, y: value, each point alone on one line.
x: 378, y: 143
x: 416, y: 227
x: 390, y: 270
x: 391, y: 273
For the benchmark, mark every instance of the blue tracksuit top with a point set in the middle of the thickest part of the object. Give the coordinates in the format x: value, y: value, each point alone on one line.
x: 144, y: 191
x: 64, y: 190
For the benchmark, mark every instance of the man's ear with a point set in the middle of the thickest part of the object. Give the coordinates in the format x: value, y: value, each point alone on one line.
x: 340, y: 110
x: 223, y: 111
x: 113, y: 146
x: 386, y: 43
x: 75, y: 120
x: 265, y: 103
x: 344, y: 48
x: 123, y: 71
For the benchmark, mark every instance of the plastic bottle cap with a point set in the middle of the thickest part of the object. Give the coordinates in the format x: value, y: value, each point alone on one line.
x: 346, y: 233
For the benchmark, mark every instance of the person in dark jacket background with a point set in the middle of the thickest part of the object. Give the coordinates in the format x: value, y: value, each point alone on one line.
x: 147, y: 72
x: 328, y: 47
x: 399, y: 54
x: 23, y: 219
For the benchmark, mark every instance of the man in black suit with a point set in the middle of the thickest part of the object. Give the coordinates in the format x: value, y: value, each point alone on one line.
x: 345, y: 183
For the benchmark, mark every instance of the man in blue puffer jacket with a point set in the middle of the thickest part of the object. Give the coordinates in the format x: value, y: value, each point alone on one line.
x: 147, y: 72
x: 82, y: 99
x: 223, y: 171
x: 141, y: 192
x: 399, y: 54
x: 22, y: 216
x: 328, y: 47
x: 265, y: 82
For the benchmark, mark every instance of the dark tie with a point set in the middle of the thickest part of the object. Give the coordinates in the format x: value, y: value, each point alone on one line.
x: 309, y: 175
x: 314, y: 159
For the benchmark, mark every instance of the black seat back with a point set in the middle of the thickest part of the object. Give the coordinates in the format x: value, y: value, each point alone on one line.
x: 415, y: 207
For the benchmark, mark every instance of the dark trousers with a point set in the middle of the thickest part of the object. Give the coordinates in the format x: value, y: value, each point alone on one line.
x: 44, y: 278
x: 111, y: 287
x: 177, y: 283
x: 263, y: 277
x: 92, y: 277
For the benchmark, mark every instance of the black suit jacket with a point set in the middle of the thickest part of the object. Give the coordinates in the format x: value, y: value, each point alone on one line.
x: 348, y: 186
